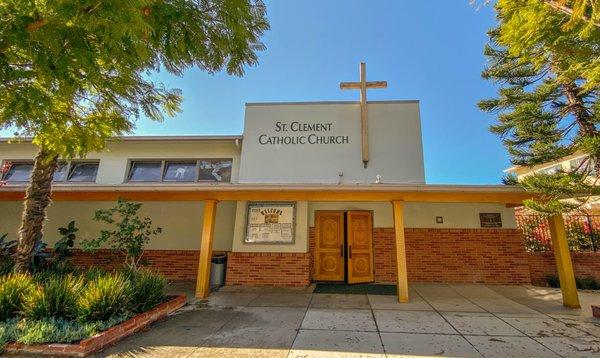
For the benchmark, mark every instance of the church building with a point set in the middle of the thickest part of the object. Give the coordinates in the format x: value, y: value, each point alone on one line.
x: 311, y: 192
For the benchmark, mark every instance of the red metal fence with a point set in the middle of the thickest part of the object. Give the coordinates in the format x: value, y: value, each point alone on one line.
x: 583, y: 232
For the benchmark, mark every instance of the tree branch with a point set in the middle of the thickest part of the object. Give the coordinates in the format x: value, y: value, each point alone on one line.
x: 569, y: 11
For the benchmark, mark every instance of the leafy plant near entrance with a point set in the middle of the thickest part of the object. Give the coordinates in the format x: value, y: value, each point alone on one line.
x: 131, y: 232
x: 42, y: 258
x: 7, y: 248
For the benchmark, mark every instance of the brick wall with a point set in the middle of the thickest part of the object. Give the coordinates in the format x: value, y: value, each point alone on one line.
x: 433, y: 255
x: 268, y: 269
x: 491, y: 256
x: 174, y: 264
x: 543, y: 264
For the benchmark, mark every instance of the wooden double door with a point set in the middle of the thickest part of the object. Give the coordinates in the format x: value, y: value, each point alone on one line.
x: 344, y: 246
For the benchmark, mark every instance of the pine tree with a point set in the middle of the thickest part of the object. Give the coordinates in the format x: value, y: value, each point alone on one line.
x: 74, y: 73
x: 547, y: 105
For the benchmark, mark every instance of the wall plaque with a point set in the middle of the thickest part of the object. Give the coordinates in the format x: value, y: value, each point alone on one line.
x: 490, y: 219
x: 270, y: 223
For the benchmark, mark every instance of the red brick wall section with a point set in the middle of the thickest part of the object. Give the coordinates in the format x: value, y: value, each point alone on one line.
x: 543, y: 264
x: 174, y: 264
x: 491, y: 256
x: 268, y: 269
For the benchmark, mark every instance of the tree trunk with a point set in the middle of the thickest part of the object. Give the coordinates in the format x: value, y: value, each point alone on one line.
x: 37, y: 200
x: 583, y: 117
x: 576, y: 106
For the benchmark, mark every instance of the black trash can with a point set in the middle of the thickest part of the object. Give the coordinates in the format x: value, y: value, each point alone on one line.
x: 218, y: 268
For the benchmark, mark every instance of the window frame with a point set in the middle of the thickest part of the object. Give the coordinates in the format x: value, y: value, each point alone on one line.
x: 68, y: 162
x: 163, y: 168
x: 213, y: 181
x: 551, y: 169
x: 70, y: 167
x: 130, y: 164
x: 16, y: 161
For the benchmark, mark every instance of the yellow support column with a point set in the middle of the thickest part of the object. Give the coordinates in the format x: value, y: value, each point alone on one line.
x: 566, y: 275
x: 402, y: 271
x: 208, y: 229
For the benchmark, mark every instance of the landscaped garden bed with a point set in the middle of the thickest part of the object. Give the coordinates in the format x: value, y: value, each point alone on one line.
x: 77, y: 314
x: 58, y: 309
x: 105, y: 338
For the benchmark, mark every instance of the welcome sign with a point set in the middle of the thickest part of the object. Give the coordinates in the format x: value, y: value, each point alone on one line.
x: 270, y: 223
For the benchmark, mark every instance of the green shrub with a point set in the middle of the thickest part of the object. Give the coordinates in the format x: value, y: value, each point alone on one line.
x: 147, y: 290
x: 7, y: 250
x: 582, y: 283
x: 587, y: 283
x: 62, y: 248
x: 13, y: 289
x: 93, y: 273
x: 54, y: 270
x: 55, y: 298
x: 553, y: 281
x: 52, y: 330
x: 130, y: 235
x: 104, y: 298
x: 6, y: 266
x: 7, y: 332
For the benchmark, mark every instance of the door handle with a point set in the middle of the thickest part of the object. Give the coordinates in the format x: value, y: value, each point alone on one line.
x: 341, y: 250
x: 350, y: 252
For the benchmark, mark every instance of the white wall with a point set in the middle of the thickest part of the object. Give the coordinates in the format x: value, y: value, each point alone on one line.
x: 301, y: 233
x: 181, y: 222
x: 114, y: 159
x: 394, y: 143
x: 422, y: 215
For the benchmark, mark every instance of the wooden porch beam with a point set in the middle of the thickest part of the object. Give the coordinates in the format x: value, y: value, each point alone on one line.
x: 208, y: 229
x: 282, y: 194
x: 564, y: 265
x: 401, y: 268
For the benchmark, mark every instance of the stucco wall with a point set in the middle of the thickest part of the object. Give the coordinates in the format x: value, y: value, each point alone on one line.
x: 301, y: 234
x: 422, y: 215
x: 394, y: 143
x: 181, y: 222
x: 115, y: 158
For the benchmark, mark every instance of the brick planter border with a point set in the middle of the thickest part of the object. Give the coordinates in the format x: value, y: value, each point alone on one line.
x: 112, y: 335
x: 596, y: 311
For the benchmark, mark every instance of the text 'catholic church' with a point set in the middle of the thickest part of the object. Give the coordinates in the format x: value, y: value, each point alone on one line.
x: 312, y: 191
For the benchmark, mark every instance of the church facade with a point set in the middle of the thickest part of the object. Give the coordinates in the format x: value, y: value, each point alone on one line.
x: 312, y: 191
x: 294, y: 201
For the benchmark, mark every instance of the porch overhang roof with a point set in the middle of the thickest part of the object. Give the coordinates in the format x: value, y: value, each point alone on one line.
x: 257, y: 192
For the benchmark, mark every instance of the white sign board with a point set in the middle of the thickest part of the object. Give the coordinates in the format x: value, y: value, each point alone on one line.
x: 270, y: 223
x: 321, y: 143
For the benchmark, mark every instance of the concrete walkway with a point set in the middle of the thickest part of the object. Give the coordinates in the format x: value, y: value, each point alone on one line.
x: 447, y: 320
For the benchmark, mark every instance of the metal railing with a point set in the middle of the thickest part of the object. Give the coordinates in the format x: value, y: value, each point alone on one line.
x: 583, y: 232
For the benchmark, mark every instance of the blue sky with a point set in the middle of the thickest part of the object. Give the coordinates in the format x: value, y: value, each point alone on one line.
x: 426, y: 50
